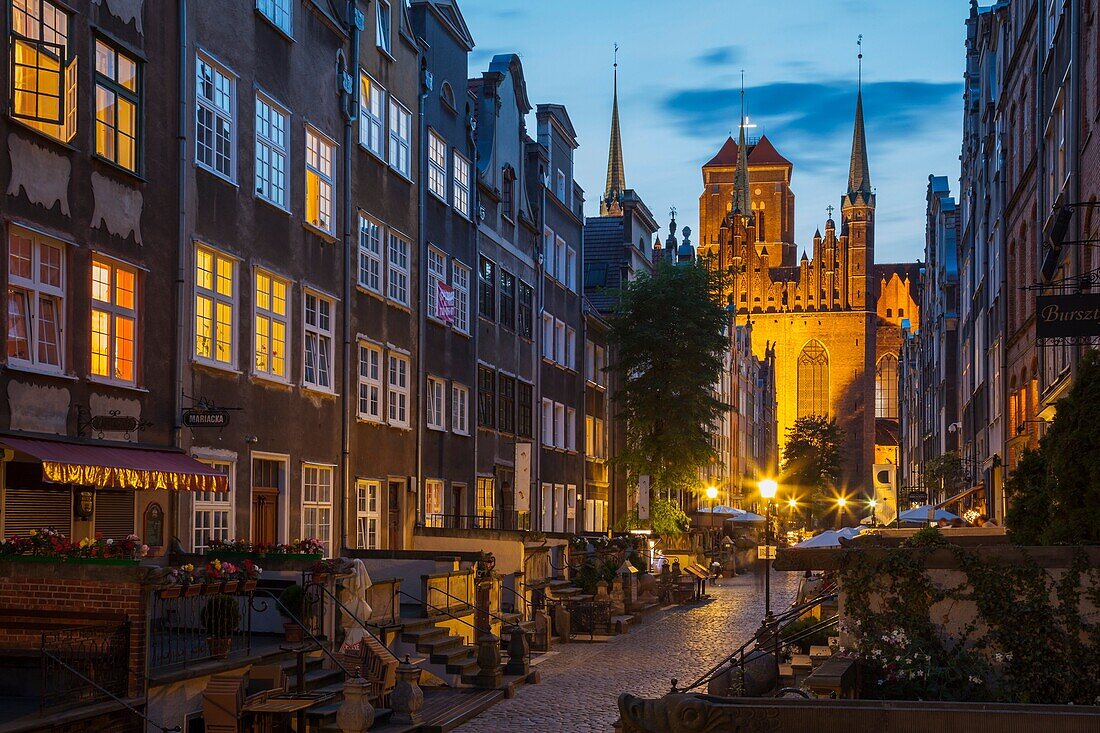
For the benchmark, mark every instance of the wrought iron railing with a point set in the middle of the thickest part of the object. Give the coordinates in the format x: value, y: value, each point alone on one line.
x: 178, y: 633
x: 84, y: 664
x: 497, y: 519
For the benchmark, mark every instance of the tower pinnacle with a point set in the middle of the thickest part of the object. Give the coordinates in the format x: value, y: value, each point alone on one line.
x: 859, y: 175
x: 741, y: 174
x: 611, y: 203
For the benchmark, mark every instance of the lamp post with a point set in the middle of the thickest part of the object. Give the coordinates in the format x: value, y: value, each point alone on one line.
x: 712, y: 494
x: 768, y: 489
x: 872, y: 504
x: 841, y: 504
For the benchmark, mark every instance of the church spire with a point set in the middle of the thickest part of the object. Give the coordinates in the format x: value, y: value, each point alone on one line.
x: 611, y: 203
x: 859, y: 175
x: 741, y: 174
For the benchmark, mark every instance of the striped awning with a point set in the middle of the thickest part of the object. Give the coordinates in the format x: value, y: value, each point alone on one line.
x: 108, y: 466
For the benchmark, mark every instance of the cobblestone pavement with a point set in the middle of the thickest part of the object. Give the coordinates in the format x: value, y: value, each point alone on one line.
x: 581, y: 682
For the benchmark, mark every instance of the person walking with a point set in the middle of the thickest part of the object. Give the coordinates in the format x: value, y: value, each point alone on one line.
x: 716, y: 572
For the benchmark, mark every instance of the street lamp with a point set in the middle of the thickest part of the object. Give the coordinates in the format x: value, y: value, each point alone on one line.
x: 768, y: 489
x: 712, y: 494
x: 872, y: 504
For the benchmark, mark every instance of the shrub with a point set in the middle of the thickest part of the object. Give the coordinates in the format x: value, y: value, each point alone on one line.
x: 292, y: 602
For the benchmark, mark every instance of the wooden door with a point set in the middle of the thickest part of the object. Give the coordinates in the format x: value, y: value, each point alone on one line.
x: 265, y: 516
x: 395, y: 518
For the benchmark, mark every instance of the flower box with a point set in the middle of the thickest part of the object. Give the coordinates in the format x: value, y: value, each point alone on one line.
x: 247, y: 586
x: 190, y: 591
x: 230, y: 586
x: 233, y: 555
x: 212, y: 589
x: 172, y: 591
x: 297, y: 556
x: 32, y: 558
x: 103, y: 561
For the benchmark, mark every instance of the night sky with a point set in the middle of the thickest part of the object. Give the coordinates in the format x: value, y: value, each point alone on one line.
x: 679, y: 79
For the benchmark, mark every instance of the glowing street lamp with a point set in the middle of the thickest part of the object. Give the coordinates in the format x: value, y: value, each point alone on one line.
x: 712, y: 494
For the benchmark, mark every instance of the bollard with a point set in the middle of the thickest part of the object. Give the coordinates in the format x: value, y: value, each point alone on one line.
x: 407, y: 698
x: 489, y: 675
x: 356, y: 714
x: 517, y: 652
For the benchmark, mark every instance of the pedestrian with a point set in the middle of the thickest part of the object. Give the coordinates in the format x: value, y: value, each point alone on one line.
x: 942, y: 523
x: 716, y: 572
x: 957, y: 522
x: 984, y: 521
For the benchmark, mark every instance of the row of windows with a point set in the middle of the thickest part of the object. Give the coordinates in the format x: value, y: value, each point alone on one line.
x: 514, y: 308
x: 437, y: 174
x: 380, y: 369
x: 559, y: 342
x: 559, y: 259
x: 504, y: 403
x: 559, y: 426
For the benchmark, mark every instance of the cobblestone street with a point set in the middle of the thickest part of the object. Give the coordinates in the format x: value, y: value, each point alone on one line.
x: 582, y: 681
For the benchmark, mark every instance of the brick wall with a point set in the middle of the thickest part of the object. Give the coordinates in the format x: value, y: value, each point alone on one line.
x: 41, y: 597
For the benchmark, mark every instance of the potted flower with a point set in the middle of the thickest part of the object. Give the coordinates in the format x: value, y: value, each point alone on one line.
x: 231, y: 549
x: 249, y: 573
x: 220, y: 617
x: 180, y: 582
x: 322, y: 569
x: 292, y: 607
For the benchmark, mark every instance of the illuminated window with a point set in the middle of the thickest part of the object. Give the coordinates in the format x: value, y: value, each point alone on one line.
x: 886, y: 387
x: 486, y: 489
x: 813, y: 380
x: 42, y: 90
x: 272, y: 325
x: 433, y: 503
x: 114, y: 321
x: 215, y: 307
x: 36, y: 301
x: 213, y: 511
x: 214, y: 111
x: 318, y: 326
x: 116, y: 106
x: 320, y: 184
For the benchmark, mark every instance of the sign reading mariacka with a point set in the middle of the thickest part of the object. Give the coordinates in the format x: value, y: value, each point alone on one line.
x: 1061, y: 316
x: 199, y: 418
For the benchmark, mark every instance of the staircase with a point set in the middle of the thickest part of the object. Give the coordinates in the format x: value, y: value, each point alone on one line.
x: 445, y: 656
x: 319, y: 679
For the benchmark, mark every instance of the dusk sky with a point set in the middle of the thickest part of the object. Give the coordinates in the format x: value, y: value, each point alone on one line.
x: 679, y: 76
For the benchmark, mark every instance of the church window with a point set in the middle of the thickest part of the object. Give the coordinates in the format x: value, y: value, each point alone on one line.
x: 886, y: 387
x: 760, y: 226
x: 813, y: 380
x: 901, y: 313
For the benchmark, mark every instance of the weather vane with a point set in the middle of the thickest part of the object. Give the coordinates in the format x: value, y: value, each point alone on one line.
x: 617, y: 55
x: 859, y: 59
x: 829, y: 209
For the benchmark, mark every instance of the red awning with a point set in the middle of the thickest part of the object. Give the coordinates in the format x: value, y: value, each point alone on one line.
x: 109, y: 466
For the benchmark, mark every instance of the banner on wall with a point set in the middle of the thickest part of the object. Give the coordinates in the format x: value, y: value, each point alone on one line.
x: 523, y: 477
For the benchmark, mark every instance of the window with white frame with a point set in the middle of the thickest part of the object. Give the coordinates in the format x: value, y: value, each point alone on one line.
x: 484, y: 500
x: 400, y: 138
x: 317, y: 503
x: 212, y: 511
x: 437, y: 165
x: 570, y: 443
x: 372, y: 116
x: 272, y: 150
x: 118, y: 102
x: 367, y: 515
x: 370, y: 254
x: 460, y: 281
x: 42, y: 85
x: 549, y: 260
x: 559, y: 342
x: 397, y: 393
x: 559, y: 258
x: 318, y: 330
x: 279, y: 12
x: 570, y: 348
x: 559, y: 425
x: 114, y: 321
x: 214, y: 112
x: 547, y: 422
x: 383, y: 25
x: 571, y: 268
x: 559, y: 185
x: 398, y: 290
x: 437, y: 275
x: 589, y: 361
x: 437, y: 403
x: 548, y: 336
x: 215, y: 307
x: 601, y: 364
x: 433, y: 503
x: 272, y: 324
x: 320, y: 183
x: 461, y: 185
x: 370, y: 382
x: 36, y: 301
x: 460, y: 409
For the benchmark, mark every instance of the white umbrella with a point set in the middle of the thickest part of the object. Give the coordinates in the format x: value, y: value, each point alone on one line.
x: 720, y: 509
x: 921, y: 513
x: 743, y: 516
x: 354, y: 599
x: 828, y: 538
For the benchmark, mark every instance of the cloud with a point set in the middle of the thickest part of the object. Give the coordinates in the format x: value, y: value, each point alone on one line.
x: 816, y: 110
x: 720, y: 56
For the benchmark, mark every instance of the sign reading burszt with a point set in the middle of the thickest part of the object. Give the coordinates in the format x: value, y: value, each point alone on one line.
x: 114, y: 423
x: 197, y: 418
x: 1060, y: 316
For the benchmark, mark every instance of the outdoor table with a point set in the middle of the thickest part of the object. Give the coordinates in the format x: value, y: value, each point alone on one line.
x: 285, y: 703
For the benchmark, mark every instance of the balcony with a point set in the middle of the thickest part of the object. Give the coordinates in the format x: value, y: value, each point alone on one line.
x: 504, y: 519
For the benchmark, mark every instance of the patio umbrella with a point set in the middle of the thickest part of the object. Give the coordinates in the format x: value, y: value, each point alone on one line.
x: 920, y: 515
x: 743, y: 516
x: 356, y: 608
x: 828, y: 538
x: 720, y: 509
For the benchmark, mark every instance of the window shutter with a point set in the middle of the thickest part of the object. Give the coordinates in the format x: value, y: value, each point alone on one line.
x: 27, y: 509
x: 114, y: 514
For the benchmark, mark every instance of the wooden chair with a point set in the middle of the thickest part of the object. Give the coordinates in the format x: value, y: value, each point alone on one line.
x: 377, y: 664
x: 223, y: 702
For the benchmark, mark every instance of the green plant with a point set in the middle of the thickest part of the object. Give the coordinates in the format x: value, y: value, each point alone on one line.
x: 591, y: 573
x: 799, y: 626
x: 292, y: 602
x: 811, y: 462
x: 665, y: 518
x: 221, y: 616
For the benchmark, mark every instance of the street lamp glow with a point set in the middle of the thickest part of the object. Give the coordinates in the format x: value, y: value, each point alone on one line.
x: 872, y: 503
x: 792, y: 503
x: 842, y: 502
x: 712, y: 493
x: 768, y: 487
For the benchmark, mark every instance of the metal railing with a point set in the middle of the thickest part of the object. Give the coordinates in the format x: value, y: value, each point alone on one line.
x: 497, y: 519
x: 511, y: 627
x: 526, y: 609
x: 767, y: 641
x: 84, y: 664
x: 454, y: 585
x: 178, y: 634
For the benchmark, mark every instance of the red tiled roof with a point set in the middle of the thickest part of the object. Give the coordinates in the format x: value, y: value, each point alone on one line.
x: 726, y: 156
x: 764, y: 153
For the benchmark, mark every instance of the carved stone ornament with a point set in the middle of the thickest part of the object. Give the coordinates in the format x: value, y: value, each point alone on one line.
x: 678, y: 713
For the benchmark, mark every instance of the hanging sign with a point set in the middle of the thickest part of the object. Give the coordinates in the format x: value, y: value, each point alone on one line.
x: 1061, y: 316
x: 445, y: 303
x: 205, y: 418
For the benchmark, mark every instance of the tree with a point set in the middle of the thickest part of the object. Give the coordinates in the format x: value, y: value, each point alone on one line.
x: 1054, y: 492
x: 811, y: 461
x: 944, y: 471
x: 668, y: 337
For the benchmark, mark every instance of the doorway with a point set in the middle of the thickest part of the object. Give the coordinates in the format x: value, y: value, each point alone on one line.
x: 268, y: 491
x: 395, y: 516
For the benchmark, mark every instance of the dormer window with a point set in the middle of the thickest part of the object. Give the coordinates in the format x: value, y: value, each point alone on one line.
x: 507, y: 193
